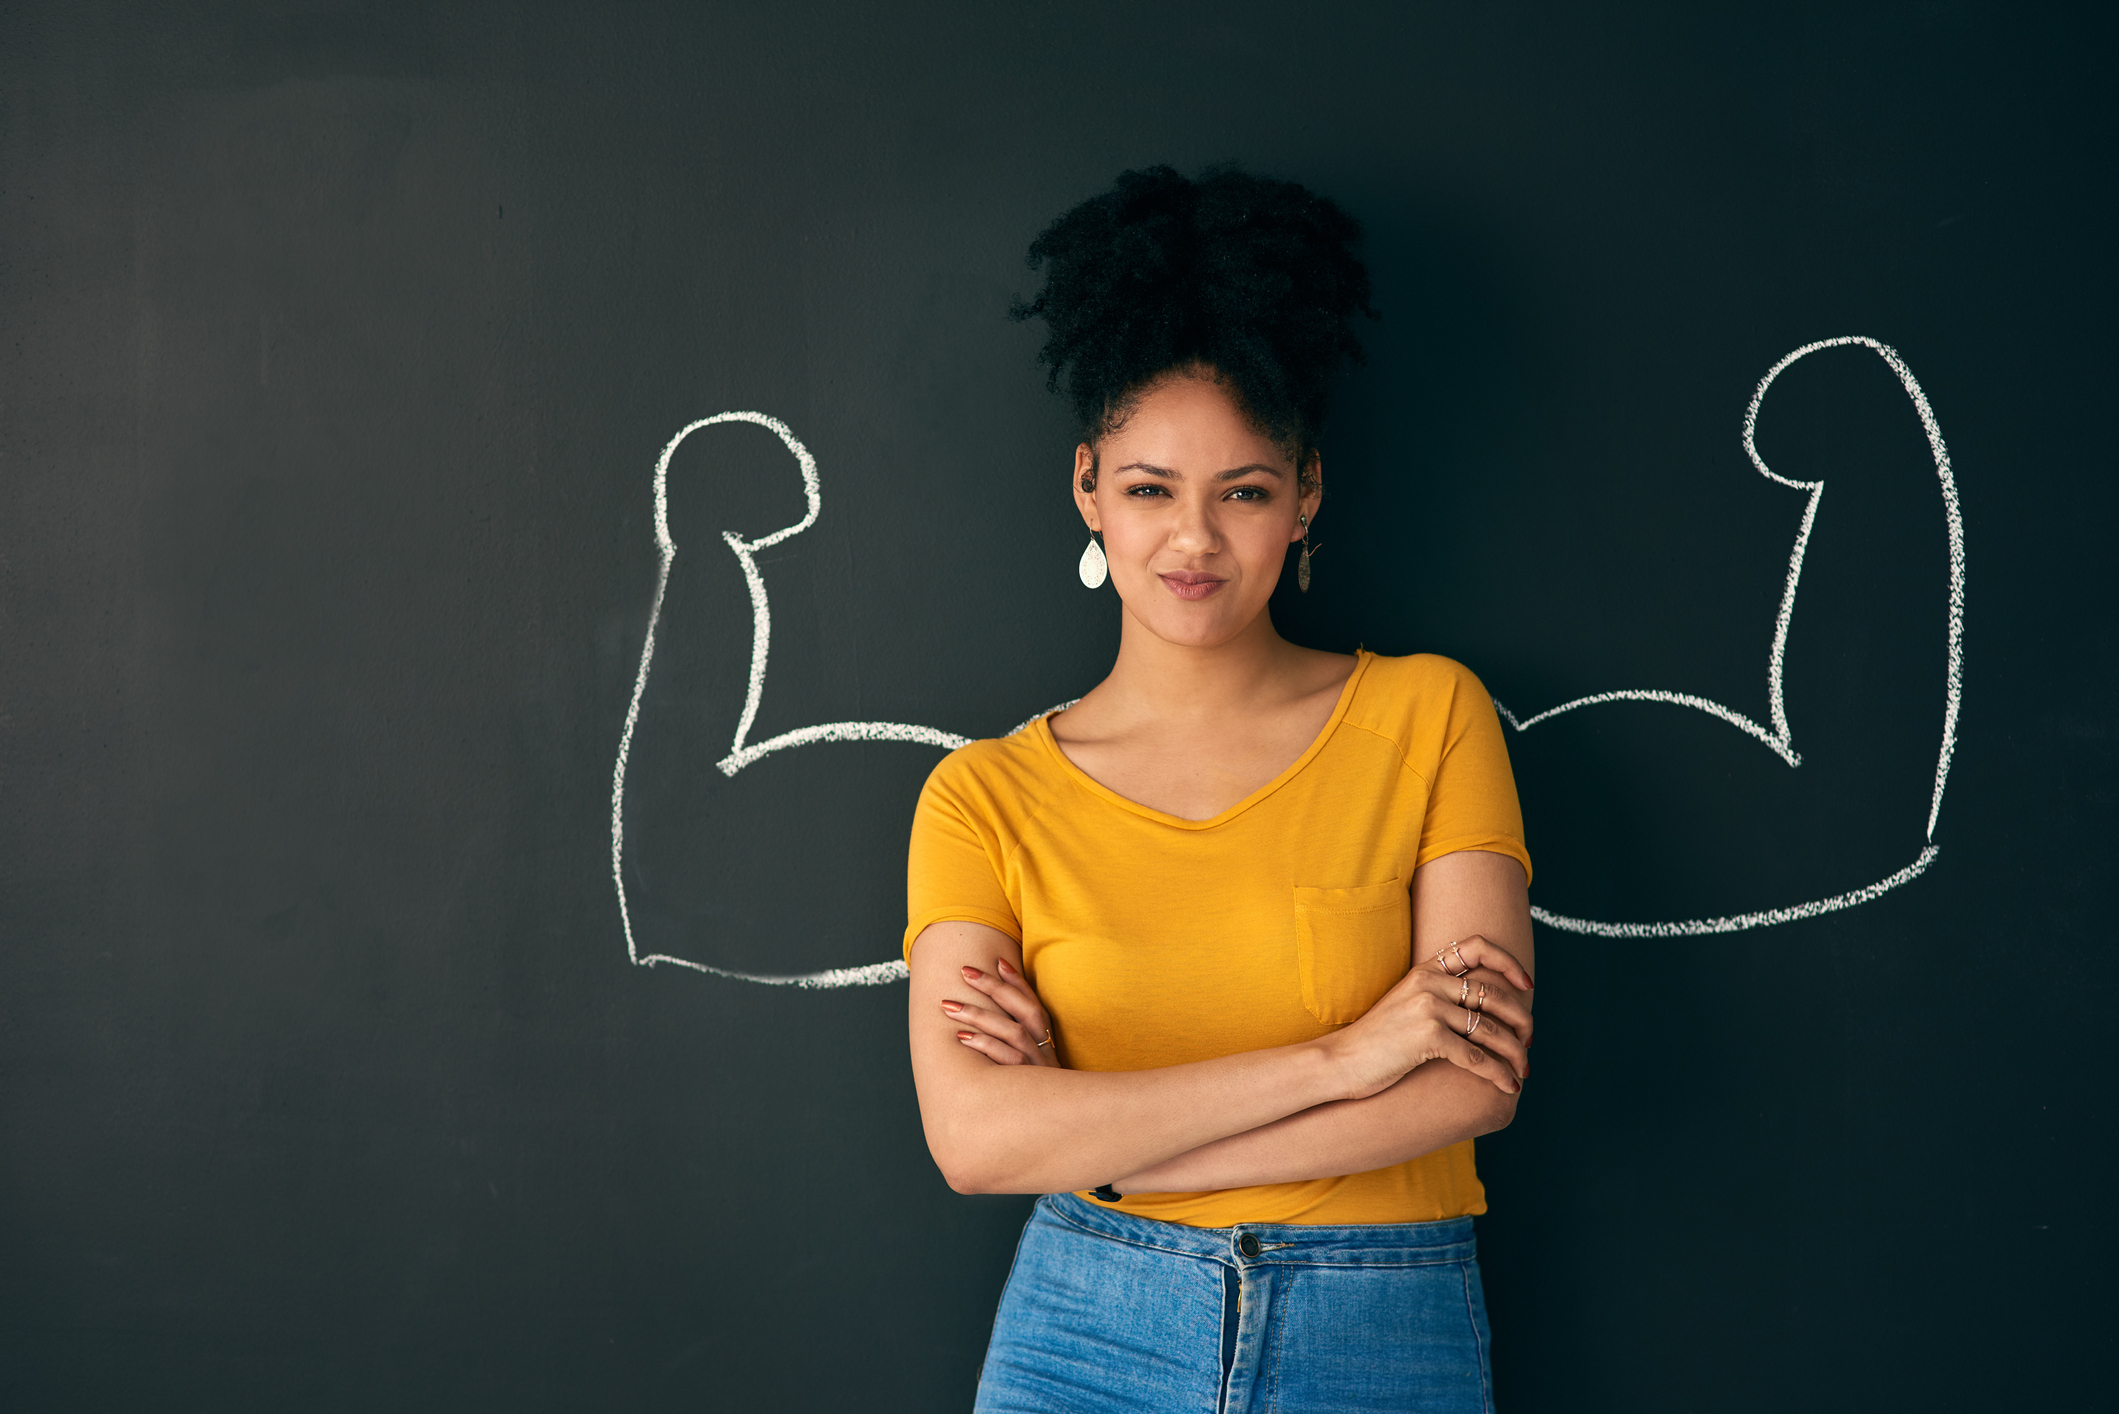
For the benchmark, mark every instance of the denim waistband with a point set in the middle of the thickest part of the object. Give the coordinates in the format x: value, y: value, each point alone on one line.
x: 1274, y: 1244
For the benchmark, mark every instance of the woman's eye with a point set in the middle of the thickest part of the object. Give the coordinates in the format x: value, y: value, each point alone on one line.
x: 1145, y: 488
x: 1250, y: 493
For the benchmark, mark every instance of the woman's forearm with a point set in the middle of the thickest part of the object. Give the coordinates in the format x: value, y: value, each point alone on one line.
x: 1432, y: 1108
x: 1002, y: 1117
x: 1027, y: 1129
x: 1041, y: 1129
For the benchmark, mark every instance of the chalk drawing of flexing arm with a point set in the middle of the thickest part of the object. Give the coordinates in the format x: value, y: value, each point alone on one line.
x: 742, y: 752
x: 1781, y: 740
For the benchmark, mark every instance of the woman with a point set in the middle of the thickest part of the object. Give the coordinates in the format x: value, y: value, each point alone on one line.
x: 1231, y: 958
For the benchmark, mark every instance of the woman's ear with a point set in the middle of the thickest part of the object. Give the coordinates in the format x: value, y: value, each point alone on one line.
x: 1085, y: 484
x: 1309, y: 476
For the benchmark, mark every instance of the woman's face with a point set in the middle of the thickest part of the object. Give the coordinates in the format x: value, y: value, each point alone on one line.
x: 1196, y: 508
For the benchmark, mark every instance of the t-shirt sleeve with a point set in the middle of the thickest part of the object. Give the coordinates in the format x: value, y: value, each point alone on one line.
x: 953, y: 869
x: 1472, y: 793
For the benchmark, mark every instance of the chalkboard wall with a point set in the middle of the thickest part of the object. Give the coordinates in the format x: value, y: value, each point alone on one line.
x: 343, y: 344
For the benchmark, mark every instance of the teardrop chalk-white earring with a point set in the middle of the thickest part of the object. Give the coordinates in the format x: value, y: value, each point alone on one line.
x: 1094, y: 568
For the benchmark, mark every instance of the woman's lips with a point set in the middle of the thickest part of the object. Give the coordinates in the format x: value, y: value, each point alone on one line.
x: 1190, y: 584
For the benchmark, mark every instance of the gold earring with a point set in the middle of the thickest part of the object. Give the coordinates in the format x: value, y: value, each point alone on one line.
x: 1302, y: 566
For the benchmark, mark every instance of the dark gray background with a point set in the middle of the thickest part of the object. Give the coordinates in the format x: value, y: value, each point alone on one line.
x: 340, y: 341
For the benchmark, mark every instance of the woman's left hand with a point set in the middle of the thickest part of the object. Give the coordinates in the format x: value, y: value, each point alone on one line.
x: 1010, y: 1027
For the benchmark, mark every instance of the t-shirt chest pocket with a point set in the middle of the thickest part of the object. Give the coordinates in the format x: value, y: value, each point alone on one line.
x: 1351, y: 946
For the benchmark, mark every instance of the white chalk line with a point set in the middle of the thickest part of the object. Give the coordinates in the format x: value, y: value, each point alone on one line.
x: 840, y: 731
x: 1781, y: 739
x: 741, y: 752
x: 874, y: 974
x: 1698, y: 927
x: 1681, y: 699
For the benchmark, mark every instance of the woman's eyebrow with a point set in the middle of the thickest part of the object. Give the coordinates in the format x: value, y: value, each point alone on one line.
x: 1230, y: 475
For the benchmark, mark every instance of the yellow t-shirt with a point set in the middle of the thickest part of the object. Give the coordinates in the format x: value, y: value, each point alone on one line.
x: 1158, y: 941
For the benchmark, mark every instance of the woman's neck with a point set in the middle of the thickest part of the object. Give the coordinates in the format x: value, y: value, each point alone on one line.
x: 1175, y: 683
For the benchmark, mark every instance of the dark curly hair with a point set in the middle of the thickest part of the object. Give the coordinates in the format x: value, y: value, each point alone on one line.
x: 1251, y: 277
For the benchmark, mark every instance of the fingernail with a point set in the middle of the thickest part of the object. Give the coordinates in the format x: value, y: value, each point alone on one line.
x: 966, y: 1035
x: 952, y: 1007
x: 1003, y: 965
x: 973, y: 973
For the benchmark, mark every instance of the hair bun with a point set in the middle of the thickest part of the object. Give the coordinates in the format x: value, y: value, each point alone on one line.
x: 1254, y: 276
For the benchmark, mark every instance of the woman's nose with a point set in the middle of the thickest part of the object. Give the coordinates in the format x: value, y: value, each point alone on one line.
x: 1195, y: 532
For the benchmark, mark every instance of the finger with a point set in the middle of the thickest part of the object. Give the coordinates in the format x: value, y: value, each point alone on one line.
x: 1481, y: 989
x: 1496, y: 1039
x: 1022, y: 1003
x: 1490, y: 954
x: 1490, y: 992
x: 994, y: 1048
x: 986, y: 1019
x: 999, y: 1052
x: 1471, y: 1056
x: 999, y: 1025
x: 1477, y: 950
x: 993, y: 986
x: 1011, y: 995
x: 1026, y: 1012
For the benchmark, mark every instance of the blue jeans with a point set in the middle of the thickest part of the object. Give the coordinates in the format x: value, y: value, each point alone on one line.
x: 1105, y: 1311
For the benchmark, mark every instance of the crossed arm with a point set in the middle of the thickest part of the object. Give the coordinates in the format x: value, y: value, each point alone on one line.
x: 1002, y: 1117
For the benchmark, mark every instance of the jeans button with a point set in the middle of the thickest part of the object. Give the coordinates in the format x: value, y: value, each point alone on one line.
x: 1248, y: 1244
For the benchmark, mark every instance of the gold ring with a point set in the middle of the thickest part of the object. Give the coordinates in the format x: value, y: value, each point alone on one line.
x: 1477, y: 1017
x: 1046, y: 1042
x: 1480, y: 1005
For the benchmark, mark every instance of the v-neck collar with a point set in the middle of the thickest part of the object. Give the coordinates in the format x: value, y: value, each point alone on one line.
x: 1043, y: 729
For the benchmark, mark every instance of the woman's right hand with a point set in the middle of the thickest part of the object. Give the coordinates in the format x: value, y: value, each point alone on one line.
x: 1466, y: 1005
x: 1015, y: 1030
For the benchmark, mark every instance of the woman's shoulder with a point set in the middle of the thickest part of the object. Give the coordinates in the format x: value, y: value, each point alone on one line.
x: 1411, y: 696
x: 995, y: 771
x: 1420, y: 674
